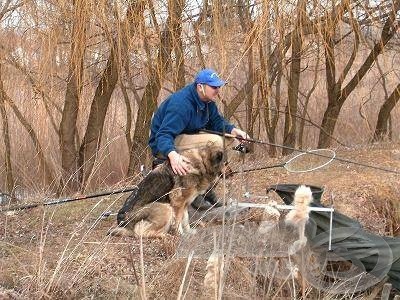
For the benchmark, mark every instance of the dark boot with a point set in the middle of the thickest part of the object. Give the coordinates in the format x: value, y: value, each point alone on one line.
x: 212, y: 198
x: 207, y: 201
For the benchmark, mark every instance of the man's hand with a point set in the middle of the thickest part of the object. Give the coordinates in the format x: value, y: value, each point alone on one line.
x: 240, y: 133
x: 179, y: 163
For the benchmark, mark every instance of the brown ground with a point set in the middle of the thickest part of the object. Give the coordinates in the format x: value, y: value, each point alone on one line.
x: 62, y: 251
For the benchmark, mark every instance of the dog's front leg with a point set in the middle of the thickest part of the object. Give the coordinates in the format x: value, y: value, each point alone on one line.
x: 179, y: 215
x: 185, y: 223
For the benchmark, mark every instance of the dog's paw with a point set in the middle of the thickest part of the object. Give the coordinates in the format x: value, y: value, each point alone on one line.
x: 180, y: 229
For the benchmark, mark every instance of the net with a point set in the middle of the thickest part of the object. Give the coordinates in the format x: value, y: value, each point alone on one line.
x: 310, y: 161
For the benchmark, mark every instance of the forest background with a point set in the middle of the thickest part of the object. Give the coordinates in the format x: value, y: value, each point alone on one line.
x: 79, y: 80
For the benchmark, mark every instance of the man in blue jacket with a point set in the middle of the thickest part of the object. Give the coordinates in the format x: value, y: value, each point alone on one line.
x: 176, y: 124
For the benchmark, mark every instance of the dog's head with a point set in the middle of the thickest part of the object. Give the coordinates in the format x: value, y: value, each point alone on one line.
x: 213, y: 158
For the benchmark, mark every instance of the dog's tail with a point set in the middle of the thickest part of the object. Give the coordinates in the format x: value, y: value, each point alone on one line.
x: 122, y: 230
x: 142, y: 213
x: 129, y: 203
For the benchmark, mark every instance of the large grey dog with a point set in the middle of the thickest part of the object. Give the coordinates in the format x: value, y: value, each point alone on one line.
x: 161, y: 200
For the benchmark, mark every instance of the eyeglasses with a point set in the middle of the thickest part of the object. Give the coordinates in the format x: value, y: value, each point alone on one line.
x: 214, y: 87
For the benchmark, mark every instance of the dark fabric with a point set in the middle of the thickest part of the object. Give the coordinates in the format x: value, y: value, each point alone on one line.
x: 183, y: 112
x: 207, y: 201
x: 156, y: 162
x: 349, y: 240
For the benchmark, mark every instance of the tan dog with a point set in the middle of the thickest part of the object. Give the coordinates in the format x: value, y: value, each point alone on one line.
x: 153, y: 220
x: 143, y: 214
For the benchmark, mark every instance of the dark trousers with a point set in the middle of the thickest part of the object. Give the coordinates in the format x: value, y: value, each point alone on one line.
x: 157, y: 161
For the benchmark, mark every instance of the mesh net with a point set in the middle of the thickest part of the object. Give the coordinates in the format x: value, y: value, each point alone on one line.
x: 310, y: 161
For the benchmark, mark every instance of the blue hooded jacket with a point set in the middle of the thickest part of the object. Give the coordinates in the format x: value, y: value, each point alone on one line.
x: 183, y: 112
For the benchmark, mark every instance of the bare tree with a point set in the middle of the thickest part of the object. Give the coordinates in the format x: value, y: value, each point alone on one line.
x: 153, y: 87
x: 384, y: 114
x: 6, y: 137
x: 78, y: 57
x: 306, y: 102
x: 336, y: 94
x: 289, y: 135
x: 250, y: 28
x: 68, y: 130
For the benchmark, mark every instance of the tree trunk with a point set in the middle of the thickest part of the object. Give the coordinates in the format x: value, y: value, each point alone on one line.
x: 289, y: 135
x: 91, y: 142
x: 384, y: 114
x: 153, y: 87
x: 329, y: 123
x: 6, y: 136
x: 304, y: 113
x: 137, y: 23
x: 249, y: 28
x: 196, y: 26
x: 179, y: 71
x: 68, y: 130
x: 92, y: 139
x: 44, y: 168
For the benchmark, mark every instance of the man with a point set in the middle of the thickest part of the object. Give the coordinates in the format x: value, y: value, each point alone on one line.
x: 176, y: 124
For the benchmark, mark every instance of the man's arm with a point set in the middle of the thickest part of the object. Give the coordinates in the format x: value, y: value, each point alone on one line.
x: 218, y: 123
x: 174, y: 123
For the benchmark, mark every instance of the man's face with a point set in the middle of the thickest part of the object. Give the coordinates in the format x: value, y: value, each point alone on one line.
x: 207, y: 92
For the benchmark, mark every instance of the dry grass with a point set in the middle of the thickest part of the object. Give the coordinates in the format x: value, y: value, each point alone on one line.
x: 36, y: 58
x: 63, y: 252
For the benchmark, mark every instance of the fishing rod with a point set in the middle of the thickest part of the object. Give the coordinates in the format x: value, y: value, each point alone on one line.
x: 65, y: 200
x: 312, y: 152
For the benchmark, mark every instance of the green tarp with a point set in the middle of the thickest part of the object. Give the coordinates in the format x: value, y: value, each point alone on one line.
x: 378, y: 255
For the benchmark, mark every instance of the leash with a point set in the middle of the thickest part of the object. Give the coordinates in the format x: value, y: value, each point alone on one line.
x: 250, y: 140
x: 65, y: 200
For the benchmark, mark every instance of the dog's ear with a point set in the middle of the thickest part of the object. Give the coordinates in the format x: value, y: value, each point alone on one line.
x: 216, y: 161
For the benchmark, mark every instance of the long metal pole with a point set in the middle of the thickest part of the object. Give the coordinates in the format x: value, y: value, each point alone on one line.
x: 65, y: 200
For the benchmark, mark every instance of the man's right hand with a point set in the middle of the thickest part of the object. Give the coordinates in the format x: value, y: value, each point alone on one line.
x: 179, y: 163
